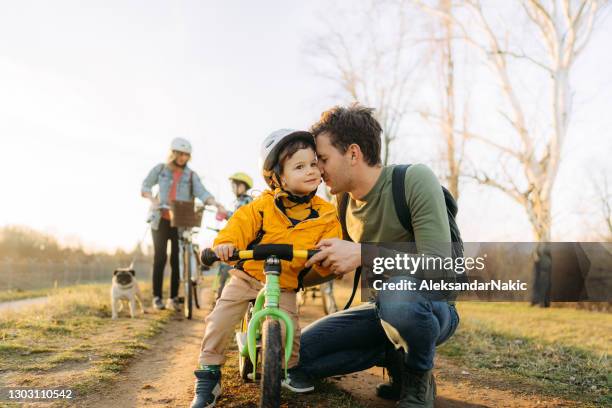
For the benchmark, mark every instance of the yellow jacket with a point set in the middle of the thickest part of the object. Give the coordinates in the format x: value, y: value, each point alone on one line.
x: 263, y: 222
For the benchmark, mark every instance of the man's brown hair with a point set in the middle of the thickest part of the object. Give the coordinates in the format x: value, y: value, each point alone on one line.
x: 353, y: 124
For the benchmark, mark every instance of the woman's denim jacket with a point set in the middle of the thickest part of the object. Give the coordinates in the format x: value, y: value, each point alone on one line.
x: 162, y: 176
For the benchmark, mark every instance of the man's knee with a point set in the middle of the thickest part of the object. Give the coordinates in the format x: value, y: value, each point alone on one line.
x: 408, y: 323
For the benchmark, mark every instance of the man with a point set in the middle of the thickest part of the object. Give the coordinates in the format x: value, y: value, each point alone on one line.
x: 401, y: 328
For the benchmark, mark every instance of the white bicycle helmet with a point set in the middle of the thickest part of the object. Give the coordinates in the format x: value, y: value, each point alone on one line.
x: 271, y: 148
x: 181, y: 145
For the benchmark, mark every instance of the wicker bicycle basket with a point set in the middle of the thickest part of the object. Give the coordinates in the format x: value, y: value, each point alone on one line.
x: 184, y: 214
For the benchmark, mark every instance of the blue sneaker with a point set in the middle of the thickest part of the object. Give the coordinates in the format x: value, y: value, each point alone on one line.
x: 207, y: 388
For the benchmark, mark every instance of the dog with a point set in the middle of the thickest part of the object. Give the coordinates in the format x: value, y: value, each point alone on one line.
x: 125, y: 287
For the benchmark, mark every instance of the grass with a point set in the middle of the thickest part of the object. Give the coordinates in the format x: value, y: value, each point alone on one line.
x: 556, y: 352
x: 571, y: 327
x: 71, y: 340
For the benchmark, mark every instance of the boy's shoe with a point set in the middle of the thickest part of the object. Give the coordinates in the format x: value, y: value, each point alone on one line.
x: 418, y: 389
x: 173, y: 304
x: 207, y: 388
x: 297, y: 382
x: 157, y: 303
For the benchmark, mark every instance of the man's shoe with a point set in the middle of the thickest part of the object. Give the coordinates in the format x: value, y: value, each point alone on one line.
x: 173, y: 304
x: 297, y: 382
x: 418, y: 389
x: 393, y: 363
x: 207, y: 388
x: 157, y: 303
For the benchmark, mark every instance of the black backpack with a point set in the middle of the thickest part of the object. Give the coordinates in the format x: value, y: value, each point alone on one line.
x: 402, y: 210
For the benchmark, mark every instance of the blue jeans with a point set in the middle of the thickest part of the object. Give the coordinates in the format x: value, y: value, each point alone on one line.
x: 354, y: 340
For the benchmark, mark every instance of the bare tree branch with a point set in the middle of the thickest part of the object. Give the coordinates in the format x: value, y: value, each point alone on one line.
x: 564, y: 30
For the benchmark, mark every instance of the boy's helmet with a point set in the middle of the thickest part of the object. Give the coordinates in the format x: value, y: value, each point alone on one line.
x: 242, y: 177
x: 181, y: 145
x: 271, y: 148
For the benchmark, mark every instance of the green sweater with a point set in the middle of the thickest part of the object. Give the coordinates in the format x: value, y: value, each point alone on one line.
x: 373, y: 219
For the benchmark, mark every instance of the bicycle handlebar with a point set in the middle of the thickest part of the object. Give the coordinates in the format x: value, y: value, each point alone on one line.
x: 261, y: 252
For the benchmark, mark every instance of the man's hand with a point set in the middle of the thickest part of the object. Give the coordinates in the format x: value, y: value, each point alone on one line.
x: 224, y: 251
x: 341, y: 257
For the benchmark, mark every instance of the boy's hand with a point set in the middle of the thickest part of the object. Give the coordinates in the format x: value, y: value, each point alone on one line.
x: 224, y: 251
x: 221, y: 213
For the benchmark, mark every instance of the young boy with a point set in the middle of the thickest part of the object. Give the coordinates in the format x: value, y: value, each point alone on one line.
x: 241, y: 184
x: 288, y: 213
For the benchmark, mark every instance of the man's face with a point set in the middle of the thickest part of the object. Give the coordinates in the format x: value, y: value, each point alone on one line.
x: 334, y: 165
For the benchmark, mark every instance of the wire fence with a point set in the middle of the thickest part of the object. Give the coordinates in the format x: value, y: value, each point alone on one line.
x: 33, y: 274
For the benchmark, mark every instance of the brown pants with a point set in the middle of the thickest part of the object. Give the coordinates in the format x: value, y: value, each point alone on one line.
x: 229, y: 310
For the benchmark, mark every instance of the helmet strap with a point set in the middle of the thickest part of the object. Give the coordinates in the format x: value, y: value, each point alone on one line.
x: 300, y: 199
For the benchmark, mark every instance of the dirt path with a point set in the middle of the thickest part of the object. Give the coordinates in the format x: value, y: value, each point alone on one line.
x: 163, y: 377
x: 13, y: 305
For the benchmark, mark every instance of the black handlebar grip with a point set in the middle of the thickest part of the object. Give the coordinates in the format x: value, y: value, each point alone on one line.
x: 209, y: 257
x: 313, y: 252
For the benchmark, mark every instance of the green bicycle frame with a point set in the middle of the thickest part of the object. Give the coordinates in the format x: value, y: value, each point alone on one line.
x: 267, y: 305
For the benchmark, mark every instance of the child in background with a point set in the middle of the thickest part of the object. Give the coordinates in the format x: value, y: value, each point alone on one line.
x: 241, y: 184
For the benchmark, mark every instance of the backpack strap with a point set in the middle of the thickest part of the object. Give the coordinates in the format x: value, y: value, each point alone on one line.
x: 398, y: 187
x: 355, y: 284
x: 191, y: 184
x: 343, y: 200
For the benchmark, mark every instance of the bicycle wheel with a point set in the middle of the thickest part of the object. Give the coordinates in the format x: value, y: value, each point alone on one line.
x: 245, y: 366
x: 187, y: 286
x: 194, y: 286
x: 272, y: 365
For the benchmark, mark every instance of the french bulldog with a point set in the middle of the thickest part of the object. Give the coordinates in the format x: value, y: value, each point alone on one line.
x: 125, y: 287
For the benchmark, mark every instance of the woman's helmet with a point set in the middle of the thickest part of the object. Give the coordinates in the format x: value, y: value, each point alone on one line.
x: 181, y: 145
x: 243, y: 177
x: 271, y: 148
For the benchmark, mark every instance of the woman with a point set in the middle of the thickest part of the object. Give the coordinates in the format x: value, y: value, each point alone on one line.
x: 176, y: 181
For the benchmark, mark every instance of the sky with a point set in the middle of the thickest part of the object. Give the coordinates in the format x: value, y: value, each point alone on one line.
x: 91, y: 96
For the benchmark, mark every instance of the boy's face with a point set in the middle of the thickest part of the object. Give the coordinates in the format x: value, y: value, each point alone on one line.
x: 300, y: 174
x: 238, y: 188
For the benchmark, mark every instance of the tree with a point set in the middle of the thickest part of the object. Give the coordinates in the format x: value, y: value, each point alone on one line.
x: 454, y: 139
x: 604, y: 196
x: 563, y: 28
